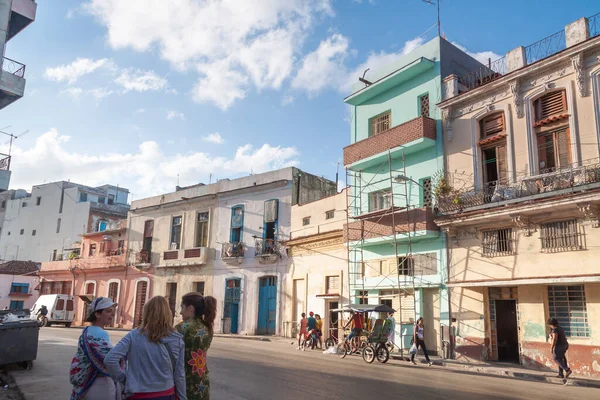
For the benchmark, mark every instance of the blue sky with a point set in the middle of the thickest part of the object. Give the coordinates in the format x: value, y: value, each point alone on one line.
x: 137, y: 92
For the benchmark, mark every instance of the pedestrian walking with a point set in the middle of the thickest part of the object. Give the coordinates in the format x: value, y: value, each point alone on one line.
x: 88, y: 375
x: 198, y: 313
x: 302, y: 335
x: 559, y: 348
x: 155, y: 354
x: 419, y: 341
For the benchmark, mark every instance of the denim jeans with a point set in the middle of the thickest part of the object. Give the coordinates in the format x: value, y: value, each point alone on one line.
x: 561, y: 359
x: 420, y: 343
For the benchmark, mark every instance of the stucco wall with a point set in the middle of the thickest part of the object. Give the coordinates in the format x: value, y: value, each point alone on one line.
x: 6, y: 282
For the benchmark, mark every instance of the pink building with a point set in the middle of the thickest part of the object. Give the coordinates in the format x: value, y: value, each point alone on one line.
x: 99, y: 268
x: 18, y: 281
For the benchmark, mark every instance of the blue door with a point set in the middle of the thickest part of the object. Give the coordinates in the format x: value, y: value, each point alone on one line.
x: 267, y: 305
x: 232, y: 305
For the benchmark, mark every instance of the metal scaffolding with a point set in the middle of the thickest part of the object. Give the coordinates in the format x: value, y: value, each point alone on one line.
x: 361, y: 209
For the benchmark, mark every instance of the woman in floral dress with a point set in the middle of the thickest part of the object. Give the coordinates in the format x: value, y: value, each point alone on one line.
x: 198, y: 313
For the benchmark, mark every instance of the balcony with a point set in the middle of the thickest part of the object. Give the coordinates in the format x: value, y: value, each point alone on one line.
x: 414, y: 135
x: 266, y: 251
x: 232, y: 253
x: 377, y: 228
x: 119, y: 210
x: 187, y: 257
x: 22, y: 14
x: 561, y: 182
x: 12, y: 81
x: 19, y: 294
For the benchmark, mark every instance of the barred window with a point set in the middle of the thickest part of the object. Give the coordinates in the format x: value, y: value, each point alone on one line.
x: 363, y: 297
x: 561, y: 236
x: 424, y: 105
x: 381, y: 123
x: 427, y: 192
x: 380, y: 200
x: 567, y: 305
x: 498, y: 242
x: 406, y: 266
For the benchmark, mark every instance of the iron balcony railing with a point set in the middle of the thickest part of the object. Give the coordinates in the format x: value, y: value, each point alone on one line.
x: 266, y: 247
x: 13, y: 67
x: 539, y: 50
x: 499, y: 192
x: 232, y: 250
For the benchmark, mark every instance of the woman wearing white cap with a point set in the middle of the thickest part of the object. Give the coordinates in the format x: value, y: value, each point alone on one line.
x: 89, y: 376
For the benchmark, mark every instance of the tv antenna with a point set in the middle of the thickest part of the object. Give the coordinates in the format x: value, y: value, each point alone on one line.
x: 437, y: 2
x: 12, y: 138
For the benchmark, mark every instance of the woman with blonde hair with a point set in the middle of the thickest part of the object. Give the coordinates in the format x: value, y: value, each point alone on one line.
x: 155, y: 355
x: 198, y: 313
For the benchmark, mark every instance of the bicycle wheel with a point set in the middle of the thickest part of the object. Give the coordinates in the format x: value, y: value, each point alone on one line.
x: 343, y: 349
x: 383, y: 354
x: 368, y: 354
x: 329, y: 343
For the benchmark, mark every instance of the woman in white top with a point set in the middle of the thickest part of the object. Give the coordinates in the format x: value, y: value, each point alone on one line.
x: 419, y: 342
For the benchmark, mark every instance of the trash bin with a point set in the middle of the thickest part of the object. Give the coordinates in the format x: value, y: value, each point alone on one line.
x: 19, y: 342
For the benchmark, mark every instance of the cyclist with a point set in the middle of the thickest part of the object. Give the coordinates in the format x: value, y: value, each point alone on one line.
x: 41, y: 314
x: 311, y: 325
x: 356, y: 330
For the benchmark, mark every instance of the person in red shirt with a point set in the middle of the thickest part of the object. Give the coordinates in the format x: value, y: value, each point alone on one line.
x: 358, y: 326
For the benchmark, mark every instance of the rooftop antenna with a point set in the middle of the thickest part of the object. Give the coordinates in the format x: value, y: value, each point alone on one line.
x: 209, y: 179
x: 12, y: 137
x: 438, y: 14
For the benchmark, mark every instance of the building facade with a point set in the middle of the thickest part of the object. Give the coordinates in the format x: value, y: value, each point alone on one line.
x: 18, y: 284
x: 396, y: 252
x: 520, y: 201
x: 98, y: 269
x: 224, y: 240
x: 45, y: 225
x: 318, y: 269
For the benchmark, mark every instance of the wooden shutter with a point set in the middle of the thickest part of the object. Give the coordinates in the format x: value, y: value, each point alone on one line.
x: 551, y: 104
x: 140, y: 302
x: 501, y: 162
x: 492, y: 125
x: 112, y: 291
x: 407, y: 307
x: 563, y: 147
x: 148, y: 228
x: 271, y: 209
x: 333, y: 284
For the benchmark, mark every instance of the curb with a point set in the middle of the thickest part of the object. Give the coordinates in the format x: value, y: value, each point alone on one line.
x: 257, y: 339
x: 507, y: 373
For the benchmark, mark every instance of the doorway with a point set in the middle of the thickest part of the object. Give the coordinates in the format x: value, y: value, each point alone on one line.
x: 507, y: 330
x: 332, y: 320
x: 267, y: 305
x: 231, y: 305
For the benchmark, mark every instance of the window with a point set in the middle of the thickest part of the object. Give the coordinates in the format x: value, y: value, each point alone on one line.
x: 492, y: 132
x: 405, y: 266
x: 102, y: 248
x: 560, y: 236
x: 498, y: 242
x: 270, y: 218
x: 54, y: 255
x: 554, y: 150
x: 550, y: 105
x: 427, y: 191
x: 19, y: 288
x: 70, y: 305
x: 58, y: 221
x: 201, y: 230
x: 332, y: 284
x: 60, y: 305
x: 82, y: 196
x: 24, y: 204
x: 380, y: 200
x: 92, y: 249
x: 102, y: 225
x: 22, y: 231
x: 113, y: 291
x: 101, y: 200
x: 567, y: 304
x: 111, y: 199
x: 3, y: 204
x: 38, y: 201
x: 237, y: 224
x: 305, y: 221
x: 16, y: 304
x: 120, y: 246
x: 330, y: 214
x: 175, y: 233
x: 199, y: 287
x: 381, y: 123
x: 492, y: 125
x: 148, y: 233
x: 424, y: 105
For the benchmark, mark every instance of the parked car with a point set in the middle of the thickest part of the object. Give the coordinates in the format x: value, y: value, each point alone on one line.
x: 61, y: 308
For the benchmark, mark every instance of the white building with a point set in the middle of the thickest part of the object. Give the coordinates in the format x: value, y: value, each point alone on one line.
x: 46, y: 224
x: 223, y: 240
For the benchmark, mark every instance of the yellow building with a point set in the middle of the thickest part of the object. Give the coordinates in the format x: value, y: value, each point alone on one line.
x: 318, y: 263
x: 521, y: 201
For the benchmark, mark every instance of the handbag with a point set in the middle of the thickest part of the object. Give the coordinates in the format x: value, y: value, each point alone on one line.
x: 413, y: 349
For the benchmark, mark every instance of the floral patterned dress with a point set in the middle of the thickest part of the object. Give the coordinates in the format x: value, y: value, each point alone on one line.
x: 197, y: 340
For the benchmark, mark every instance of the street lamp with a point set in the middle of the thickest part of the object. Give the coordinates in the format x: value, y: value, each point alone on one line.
x: 404, y: 178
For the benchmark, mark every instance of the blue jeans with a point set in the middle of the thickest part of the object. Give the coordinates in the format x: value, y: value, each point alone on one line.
x: 561, y: 359
x: 355, y: 332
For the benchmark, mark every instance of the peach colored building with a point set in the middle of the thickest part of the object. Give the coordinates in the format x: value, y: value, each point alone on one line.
x: 99, y: 268
x: 520, y: 201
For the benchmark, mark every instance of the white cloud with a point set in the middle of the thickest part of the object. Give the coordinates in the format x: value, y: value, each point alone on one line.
x: 482, y: 56
x: 287, y: 100
x: 100, y: 93
x: 140, y: 110
x: 140, y: 80
x: 254, y: 41
x: 146, y: 171
x: 172, y: 114
x: 214, y: 138
x: 70, y: 73
x: 323, y: 67
x: 76, y: 92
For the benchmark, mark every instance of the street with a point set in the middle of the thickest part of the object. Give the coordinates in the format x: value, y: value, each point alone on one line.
x: 246, y: 369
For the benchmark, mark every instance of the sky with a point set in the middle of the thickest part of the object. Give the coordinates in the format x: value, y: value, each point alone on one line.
x: 146, y: 94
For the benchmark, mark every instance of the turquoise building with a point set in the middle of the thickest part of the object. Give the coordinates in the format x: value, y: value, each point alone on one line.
x: 397, y: 255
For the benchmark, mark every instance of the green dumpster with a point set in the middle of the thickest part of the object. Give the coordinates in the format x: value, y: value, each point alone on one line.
x: 19, y: 342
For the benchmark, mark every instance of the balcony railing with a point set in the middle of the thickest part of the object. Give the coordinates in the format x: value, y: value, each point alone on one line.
x: 143, y: 257
x: 266, y: 247
x: 13, y: 67
x: 232, y: 250
x: 498, y: 192
x: 418, y: 128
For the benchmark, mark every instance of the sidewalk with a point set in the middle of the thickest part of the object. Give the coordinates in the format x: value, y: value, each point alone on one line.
x: 505, y: 370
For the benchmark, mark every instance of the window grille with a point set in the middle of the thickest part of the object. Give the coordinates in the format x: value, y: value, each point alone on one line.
x: 381, y: 123
x: 498, y: 242
x: 427, y: 192
x: 561, y: 236
x: 567, y: 304
x: 424, y: 105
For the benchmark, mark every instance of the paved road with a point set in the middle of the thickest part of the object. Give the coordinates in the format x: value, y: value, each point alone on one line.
x: 251, y: 370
